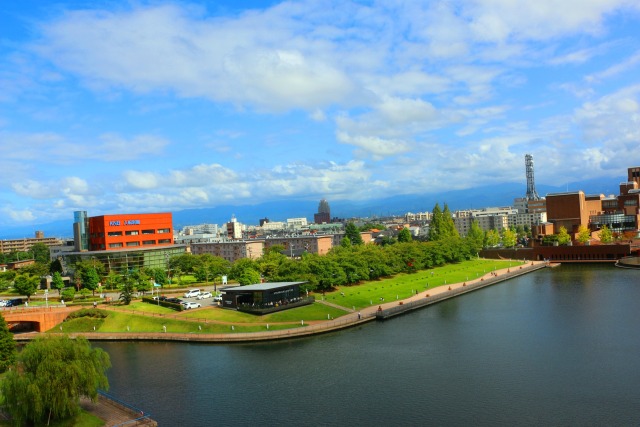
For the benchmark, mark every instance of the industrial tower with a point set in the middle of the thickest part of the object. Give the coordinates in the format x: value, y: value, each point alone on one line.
x: 531, y: 184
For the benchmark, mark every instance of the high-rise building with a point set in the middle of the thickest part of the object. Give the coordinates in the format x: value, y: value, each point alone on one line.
x: 81, y: 231
x: 324, y: 213
x: 531, y: 183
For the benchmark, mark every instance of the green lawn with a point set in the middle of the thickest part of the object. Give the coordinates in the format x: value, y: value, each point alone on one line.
x: 147, y: 308
x: 124, y: 322
x: 403, y: 285
x: 314, y: 311
x: 83, y: 419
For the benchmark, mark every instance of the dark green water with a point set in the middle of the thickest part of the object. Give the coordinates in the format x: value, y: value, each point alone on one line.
x: 555, y: 347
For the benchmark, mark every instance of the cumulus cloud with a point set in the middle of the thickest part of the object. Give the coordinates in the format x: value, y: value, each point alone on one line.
x: 307, y: 98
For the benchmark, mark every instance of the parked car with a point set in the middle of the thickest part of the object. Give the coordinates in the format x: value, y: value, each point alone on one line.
x: 217, y: 298
x: 192, y: 293
x: 174, y: 300
x: 204, y: 295
x: 3, y: 303
x: 14, y: 302
x: 188, y: 304
x: 161, y: 298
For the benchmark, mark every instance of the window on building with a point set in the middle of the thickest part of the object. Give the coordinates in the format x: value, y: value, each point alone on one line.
x: 115, y: 245
x: 164, y: 241
x: 115, y: 233
x: 163, y: 230
x: 131, y: 233
x: 148, y: 231
x: 133, y: 243
x: 148, y: 242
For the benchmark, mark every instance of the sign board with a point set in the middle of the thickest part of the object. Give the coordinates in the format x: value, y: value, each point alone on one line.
x: 224, y: 280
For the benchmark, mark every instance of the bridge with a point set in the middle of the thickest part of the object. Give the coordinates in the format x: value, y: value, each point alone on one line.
x: 42, y: 318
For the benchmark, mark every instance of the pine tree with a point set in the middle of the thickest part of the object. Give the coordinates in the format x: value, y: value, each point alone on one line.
x: 351, y: 232
x: 435, y: 227
x: 448, y: 225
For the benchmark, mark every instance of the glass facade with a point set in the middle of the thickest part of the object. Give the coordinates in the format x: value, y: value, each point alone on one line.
x: 81, y: 230
x: 129, y: 260
x: 615, y: 222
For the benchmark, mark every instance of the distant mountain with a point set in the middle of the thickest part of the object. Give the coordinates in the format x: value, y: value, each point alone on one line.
x: 475, y: 198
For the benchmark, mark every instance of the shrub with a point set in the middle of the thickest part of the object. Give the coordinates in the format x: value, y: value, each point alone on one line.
x: 68, y: 294
x: 88, y: 312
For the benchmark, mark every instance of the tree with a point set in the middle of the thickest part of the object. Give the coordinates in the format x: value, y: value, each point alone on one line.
x: 346, y: 243
x: 245, y: 271
x: 185, y: 263
x: 158, y: 275
x: 404, y: 236
x: 52, y: 374
x: 475, y: 236
x: 491, y: 238
x: 7, y: 346
x: 36, y: 269
x: 126, y: 290
x: 584, y: 234
x: 606, y: 236
x: 448, y: 226
x: 55, y: 265
x: 57, y: 282
x: 41, y: 253
x: 113, y: 280
x: 563, y: 236
x: 141, y: 281
x: 90, y: 279
x: 209, y: 266
x: 435, y: 227
x: 26, y: 284
x: 509, y: 238
x: 352, y: 233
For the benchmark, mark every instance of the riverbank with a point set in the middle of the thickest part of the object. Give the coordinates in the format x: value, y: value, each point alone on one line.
x: 381, y: 311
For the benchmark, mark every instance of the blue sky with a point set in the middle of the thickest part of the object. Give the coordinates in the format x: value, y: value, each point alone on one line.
x: 141, y: 106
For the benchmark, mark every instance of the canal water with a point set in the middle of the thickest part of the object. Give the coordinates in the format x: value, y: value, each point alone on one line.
x: 555, y: 347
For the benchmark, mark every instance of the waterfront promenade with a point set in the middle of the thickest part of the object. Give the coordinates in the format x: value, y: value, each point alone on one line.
x: 382, y: 311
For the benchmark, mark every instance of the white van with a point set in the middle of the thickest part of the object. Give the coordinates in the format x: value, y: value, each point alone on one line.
x: 192, y: 293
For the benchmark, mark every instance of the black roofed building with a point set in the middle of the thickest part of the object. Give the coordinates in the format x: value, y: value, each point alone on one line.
x: 265, y: 298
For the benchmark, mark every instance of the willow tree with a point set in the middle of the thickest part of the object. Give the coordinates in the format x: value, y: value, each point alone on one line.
x: 52, y: 374
x: 7, y: 346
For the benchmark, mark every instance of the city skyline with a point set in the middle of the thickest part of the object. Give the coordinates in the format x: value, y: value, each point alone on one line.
x: 164, y: 106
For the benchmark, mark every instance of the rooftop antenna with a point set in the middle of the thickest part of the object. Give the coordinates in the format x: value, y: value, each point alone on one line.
x: 531, y: 184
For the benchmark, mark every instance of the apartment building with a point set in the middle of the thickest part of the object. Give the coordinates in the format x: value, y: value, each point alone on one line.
x: 23, y: 245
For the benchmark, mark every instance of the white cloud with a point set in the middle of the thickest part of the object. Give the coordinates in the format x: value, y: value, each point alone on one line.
x: 499, y: 20
x: 616, y: 69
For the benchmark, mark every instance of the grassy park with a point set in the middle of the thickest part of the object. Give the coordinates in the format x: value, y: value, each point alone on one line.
x: 145, y: 317
x: 402, y: 285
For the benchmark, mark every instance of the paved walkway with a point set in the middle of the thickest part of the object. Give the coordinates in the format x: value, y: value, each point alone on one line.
x: 115, y: 414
